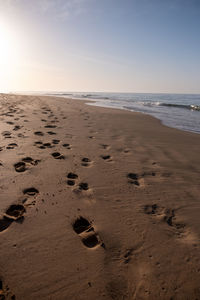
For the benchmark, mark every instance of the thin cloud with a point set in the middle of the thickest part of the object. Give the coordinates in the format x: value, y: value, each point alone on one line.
x: 56, y: 8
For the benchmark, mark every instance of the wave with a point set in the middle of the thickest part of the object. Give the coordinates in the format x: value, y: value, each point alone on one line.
x: 190, y: 107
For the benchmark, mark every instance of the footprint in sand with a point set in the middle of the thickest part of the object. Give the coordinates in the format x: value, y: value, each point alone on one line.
x: 133, y: 178
x: 71, y: 178
x: 6, y: 134
x: 20, y: 167
x: 106, y: 157
x: 40, y: 133
x: 50, y: 126
x: 30, y: 191
x: 57, y: 155
x: 51, y: 133
x: 13, y: 213
x: 138, y: 179
x: 67, y: 146
x: 55, y: 142
x: 12, y: 146
x: 86, y: 162
x: 24, y: 163
x: 17, y: 127
x: 87, y: 233
x: 83, y: 186
x: 165, y: 214
x: 42, y: 145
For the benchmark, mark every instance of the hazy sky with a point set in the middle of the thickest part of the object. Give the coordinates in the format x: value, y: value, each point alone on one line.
x: 100, y: 45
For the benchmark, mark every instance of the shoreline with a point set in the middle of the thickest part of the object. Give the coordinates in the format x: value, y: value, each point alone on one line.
x: 85, y: 101
x: 108, y: 203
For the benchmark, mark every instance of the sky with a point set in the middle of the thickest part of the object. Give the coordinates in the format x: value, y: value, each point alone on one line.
x: 100, y: 45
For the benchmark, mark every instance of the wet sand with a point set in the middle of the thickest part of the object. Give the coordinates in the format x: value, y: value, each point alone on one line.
x: 96, y: 203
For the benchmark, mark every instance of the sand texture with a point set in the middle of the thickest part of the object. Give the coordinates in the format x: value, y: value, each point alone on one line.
x: 96, y: 204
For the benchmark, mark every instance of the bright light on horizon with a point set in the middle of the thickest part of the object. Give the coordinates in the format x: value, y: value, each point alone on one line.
x: 9, y: 52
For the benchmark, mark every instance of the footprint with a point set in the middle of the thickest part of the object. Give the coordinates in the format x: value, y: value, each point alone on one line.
x: 151, y: 209
x: 55, y: 142
x: 30, y: 160
x: 86, y: 231
x: 40, y: 133
x: 47, y: 145
x: 12, y: 146
x: 30, y: 191
x: 5, y: 223
x: 67, y: 146
x: 50, y: 126
x: 38, y: 143
x: 15, y: 211
x: 57, y: 155
x: 6, y: 134
x: 83, y: 186
x: 85, y: 162
x: 70, y: 182
x: 104, y: 146
x: 81, y: 224
x: 165, y: 214
x: 105, y: 157
x: 17, y: 127
x: 20, y: 167
x: 134, y: 178
x: 51, y: 133
x: 91, y: 241
x: 71, y: 177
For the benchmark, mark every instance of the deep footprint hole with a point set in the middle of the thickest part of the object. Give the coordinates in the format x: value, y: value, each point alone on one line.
x: 20, y: 167
x: 91, y: 241
x: 81, y: 224
x: 83, y: 186
x: 15, y: 210
x: 31, y: 191
x: 72, y: 175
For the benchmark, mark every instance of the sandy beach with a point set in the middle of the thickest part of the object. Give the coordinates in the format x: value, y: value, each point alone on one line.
x: 96, y: 203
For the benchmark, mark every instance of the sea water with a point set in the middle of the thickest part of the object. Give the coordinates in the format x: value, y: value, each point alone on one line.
x: 180, y: 111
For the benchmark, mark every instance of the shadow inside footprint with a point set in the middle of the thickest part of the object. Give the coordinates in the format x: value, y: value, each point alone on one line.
x: 90, y: 241
x: 11, y: 146
x: 5, y: 223
x: 31, y: 191
x: 105, y: 157
x: 15, y: 211
x: 134, y: 178
x: 83, y: 186
x: 40, y: 133
x: 151, y: 209
x: 57, y: 155
x: 85, y: 162
x: 71, y: 182
x: 72, y: 175
x: 50, y: 126
x: 20, y: 166
x: 81, y: 224
x: 30, y: 160
x: 55, y: 142
x: 66, y: 146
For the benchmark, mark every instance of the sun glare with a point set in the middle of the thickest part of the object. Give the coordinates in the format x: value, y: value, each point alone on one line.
x: 8, y: 46
x: 9, y: 53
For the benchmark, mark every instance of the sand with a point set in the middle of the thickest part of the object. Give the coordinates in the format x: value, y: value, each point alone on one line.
x: 96, y: 203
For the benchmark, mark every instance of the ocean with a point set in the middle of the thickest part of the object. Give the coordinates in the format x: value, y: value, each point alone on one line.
x: 180, y: 111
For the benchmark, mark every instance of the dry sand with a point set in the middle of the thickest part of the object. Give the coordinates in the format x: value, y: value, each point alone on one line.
x: 112, y: 214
